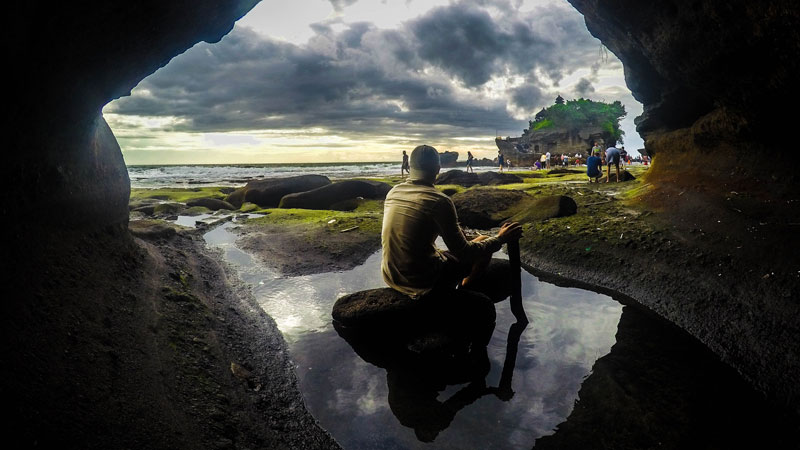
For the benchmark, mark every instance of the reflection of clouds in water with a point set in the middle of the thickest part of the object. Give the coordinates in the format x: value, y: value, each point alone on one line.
x: 303, y: 304
x: 569, y: 330
x: 362, y: 391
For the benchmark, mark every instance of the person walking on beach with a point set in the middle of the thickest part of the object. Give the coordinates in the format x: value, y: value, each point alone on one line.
x: 501, y: 161
x: 612, y: 157
x: 404, y: 168
x: 469, y: 162
x: 415, y: 213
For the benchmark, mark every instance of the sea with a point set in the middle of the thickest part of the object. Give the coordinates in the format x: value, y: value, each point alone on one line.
x: 199, y: 175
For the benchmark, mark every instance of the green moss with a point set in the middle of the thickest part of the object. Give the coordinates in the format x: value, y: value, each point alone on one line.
x: 455, y: 188
x: 367, y: 217
x: 181, y: 195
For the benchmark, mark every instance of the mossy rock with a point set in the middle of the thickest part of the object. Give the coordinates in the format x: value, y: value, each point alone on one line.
x: 268, y: 193
x: 336, y: 193
x: 168, y: 209
x: 485, y: 208
x: 196, y: 211
x: 623, y: 174
x: 544, y: 207
x: 151, y: 229
x: 214, y: 204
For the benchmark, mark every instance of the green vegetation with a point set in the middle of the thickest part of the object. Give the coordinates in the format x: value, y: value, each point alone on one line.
x: 181, y: 195
x: 367, y: 217
x: 574, y: 115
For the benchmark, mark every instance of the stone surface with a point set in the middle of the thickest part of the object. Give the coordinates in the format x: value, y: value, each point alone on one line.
x: 545, y: 207
x: 466, y: 179
x: 214, y: 204
x: 336, y: 193
x: 486, y: 208
x: 268, y: 193
x: 623, y: 174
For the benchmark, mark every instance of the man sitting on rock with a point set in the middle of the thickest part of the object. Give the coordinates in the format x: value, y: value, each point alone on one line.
x: 415, y: 214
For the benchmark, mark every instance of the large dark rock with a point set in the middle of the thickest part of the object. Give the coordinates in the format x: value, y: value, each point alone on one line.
x: 486, y: 208
x: 497, y: 178
x: 458, y: 177
x: 624, y: 175
x: 383, y: 322
x: 336, y: 194
x: 268, y: 193
x: 213, y: 204
x: 546, y: 207
x: 448, y: 158
x: 467, y: 179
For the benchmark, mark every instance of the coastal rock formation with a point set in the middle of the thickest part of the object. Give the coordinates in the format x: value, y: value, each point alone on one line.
x: 544, y: 207
x: 624, y: 175
x: 467, y: 179
x: 328, y: 196
x: 214, y: 204
x: 712, y: 77
x: 486, y: 208
x: 268, y: 193
x: 100, y: 348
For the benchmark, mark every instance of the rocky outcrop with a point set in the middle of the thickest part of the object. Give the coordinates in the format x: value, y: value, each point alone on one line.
x: 624, y: 175
x: 486, y: 208
x: 268, y: 193
x: 708, y: 115
x: 214, y: 204
x: 545, y: 207
x: 336, y: 195
x: 468, y: 179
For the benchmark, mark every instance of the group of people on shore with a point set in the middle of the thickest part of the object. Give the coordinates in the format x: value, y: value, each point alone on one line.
x: 594, y: 162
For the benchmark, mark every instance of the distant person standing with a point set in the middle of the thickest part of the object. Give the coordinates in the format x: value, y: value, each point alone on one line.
x: 501, y: 161
x: 469, y: 162
x: 612, y: 157
x: 593, y: 167
x: 596, y: 149
x: 623, y: 154
x: 547, y: 160
x: 404, y: 168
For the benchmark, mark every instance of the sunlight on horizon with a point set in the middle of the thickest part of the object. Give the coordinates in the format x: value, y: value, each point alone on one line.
x: 163, y: 128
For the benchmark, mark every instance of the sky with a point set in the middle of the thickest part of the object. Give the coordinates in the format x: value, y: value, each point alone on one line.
x: 362, y: 80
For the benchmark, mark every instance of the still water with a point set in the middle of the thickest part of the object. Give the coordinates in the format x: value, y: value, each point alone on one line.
x: 586, y: 372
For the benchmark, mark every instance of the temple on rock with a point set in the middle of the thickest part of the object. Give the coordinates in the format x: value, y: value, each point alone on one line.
x: 565, y: 127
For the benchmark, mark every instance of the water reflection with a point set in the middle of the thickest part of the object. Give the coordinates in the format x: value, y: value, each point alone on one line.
x: 350, y: 396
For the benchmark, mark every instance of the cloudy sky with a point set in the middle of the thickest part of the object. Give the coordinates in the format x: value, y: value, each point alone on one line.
x: 362, y: 80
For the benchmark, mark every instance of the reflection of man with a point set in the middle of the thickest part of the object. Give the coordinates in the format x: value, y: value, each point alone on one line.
x: 415, y: 214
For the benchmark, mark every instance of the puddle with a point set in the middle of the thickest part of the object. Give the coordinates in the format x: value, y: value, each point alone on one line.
x: 633, y: 377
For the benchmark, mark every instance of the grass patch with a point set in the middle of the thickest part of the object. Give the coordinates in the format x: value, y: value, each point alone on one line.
x: 181, y: 195
x: 368, y: 217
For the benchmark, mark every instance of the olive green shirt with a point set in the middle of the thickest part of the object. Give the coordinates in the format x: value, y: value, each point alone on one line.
x: 414, y: 215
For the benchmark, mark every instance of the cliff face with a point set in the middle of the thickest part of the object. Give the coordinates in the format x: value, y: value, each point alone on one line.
x: 68, y: 63
x: 712, y: 77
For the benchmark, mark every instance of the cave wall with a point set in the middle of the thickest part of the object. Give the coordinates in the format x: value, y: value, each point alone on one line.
x: 67, y: 61
x: 714, y: 79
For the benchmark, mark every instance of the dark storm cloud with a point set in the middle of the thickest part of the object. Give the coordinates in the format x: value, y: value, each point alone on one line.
x: 583, y: 87
x: 367, y: 80
x: 469, y: 43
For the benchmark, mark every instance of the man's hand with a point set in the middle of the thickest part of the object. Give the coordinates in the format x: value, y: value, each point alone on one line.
x: 510, y: 231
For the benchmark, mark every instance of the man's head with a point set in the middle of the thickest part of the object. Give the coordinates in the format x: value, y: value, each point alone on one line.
x: 424, y: 163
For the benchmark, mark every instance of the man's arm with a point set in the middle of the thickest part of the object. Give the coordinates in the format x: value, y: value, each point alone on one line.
x: 447, y: 221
